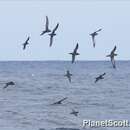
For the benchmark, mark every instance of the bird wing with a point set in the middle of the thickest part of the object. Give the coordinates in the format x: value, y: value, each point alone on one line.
x: 5, y: 86
x: 59, y: 102
x: 113, y: 50
x: 27, y: 39
x: 108, y: 55
x: 76, y: 48
x: 46, y: 26
x: 47, y: 22
x: 99, y: 30
x: 103, y: 74
x: 63, y: 99
x: 43, y: 32
x: 97, y: 78
x: 55, y: 28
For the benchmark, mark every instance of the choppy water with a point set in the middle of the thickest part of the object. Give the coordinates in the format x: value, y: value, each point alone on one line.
x: 26, y: 106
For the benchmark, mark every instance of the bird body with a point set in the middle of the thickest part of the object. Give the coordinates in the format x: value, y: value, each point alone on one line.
x: 52, y: 34
x: 74, y: 53
x: 26, y: 43
x: 60, y: 101
x: 8, y: 84
x: 100, y: 77
x: 112, y: 57
x: 75, y: 113
x: 93, y: 36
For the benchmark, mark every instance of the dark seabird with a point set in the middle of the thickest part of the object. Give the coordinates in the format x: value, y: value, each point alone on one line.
x: 100, y: 77
x: 112, y: 55
x: 52, y: 34
x: 74, y: 112
x: 26, y: 43
x: 68, y: 75
x: 60, y: 101
x: 93, y: 36
x: 74, y: 53
x: 47, y: 30
x: 8, y: 84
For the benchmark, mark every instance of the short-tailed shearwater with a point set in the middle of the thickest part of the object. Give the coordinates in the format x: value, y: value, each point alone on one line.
x: 93, y: 36
x: 47, y: 30
x: 112, y: 55
x: 74, y: 53
x: 68, y: 75
x: 60, y: 101
x: 26, y: 43
x: 100, y: 77
x: 74, y: 112
x: 8, y: 84
x: 52, y: 34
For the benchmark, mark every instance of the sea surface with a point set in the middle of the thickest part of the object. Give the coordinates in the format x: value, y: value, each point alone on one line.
x: 27, y: 105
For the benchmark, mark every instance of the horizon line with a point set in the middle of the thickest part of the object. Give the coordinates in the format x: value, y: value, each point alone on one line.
x: 58, y: 60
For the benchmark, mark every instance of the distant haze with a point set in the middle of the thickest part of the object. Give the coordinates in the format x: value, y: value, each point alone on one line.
x: 77, y: 19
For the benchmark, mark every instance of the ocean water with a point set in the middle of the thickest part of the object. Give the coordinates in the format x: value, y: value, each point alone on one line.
x: 27, y: 105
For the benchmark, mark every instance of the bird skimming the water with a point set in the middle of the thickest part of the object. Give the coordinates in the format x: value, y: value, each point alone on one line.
x: 8, y: 84
x: 68, y: 75
x: 52, y: 34
x: 100, y: 77
x: 112, y: 55
x: 93, y: 36
x: 47, y: 30
x: 26, y: 43
x: 74, y: 112
x: 74, y: 53
x: 60, y: 101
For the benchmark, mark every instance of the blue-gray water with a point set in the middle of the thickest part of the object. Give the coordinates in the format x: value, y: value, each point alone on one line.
x: 26, y: 106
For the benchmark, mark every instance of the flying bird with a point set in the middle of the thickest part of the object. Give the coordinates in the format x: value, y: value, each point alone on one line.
x: 26, y: 43
x: 100, y: 77
x: 74, y: 53
x: 60, y: 101
x: 75, y: 113
x: 112, y: 55
x: 93, y: 36
x: 8, y: 84
x: 47, y: 30
x: 68, y: 75
x: 52, y: 34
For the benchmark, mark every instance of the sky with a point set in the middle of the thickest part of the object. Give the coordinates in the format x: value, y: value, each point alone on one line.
x: 77, y: 19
